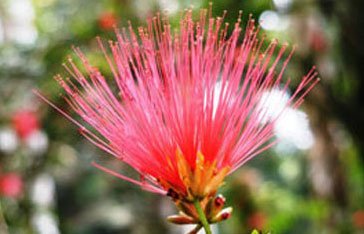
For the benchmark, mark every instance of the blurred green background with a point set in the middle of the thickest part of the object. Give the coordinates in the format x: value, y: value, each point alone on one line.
x: 311, y: 182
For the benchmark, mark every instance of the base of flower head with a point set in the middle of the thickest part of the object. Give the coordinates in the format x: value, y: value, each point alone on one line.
x: 199, y: 181
x: 212, y: 207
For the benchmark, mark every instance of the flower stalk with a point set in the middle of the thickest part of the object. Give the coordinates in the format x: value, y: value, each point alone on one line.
x: 202, y: 216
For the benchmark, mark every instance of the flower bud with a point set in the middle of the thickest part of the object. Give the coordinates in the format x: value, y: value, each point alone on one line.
x: 187, y: 208
x: 222, y: 215
x: 219, y: 201
x: 181, y: 219
x: 215, y: 205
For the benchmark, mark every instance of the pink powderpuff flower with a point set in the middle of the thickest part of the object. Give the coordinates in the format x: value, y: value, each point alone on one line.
x: 183, y: 108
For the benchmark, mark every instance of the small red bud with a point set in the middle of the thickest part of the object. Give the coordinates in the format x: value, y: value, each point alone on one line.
x: 215, y: 205
x: 225, y: 216
x: 222, y: 215
x: 219, y: 201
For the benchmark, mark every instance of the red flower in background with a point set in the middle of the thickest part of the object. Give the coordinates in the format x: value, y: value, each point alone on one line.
x: 257, y: 220
x: 186, y: 113
x: 318, y: 41
x: 358, y: 219
x: 11, y: 185
x: 107, y: 20
x: 25, y: 122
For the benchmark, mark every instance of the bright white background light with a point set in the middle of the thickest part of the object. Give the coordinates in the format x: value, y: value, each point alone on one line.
x: 282, y: 5
x: 22, y: 29
x: 37, y: 142
x: 272, y: 21
x: 45, y: 223
x: 43, y: 190
x: 8, y: 140
x: 292, y: 126
x: 172, y: 6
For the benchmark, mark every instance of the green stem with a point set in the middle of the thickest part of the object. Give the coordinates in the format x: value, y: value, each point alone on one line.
x: 202, y: 216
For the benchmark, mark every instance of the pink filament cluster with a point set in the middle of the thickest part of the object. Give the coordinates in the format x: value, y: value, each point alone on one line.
x: 167, y: 97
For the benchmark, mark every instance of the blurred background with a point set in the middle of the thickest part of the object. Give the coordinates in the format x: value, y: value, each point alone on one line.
x: 311, y: 182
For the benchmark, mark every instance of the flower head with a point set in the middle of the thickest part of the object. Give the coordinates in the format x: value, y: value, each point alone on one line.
x: 186, y: 110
